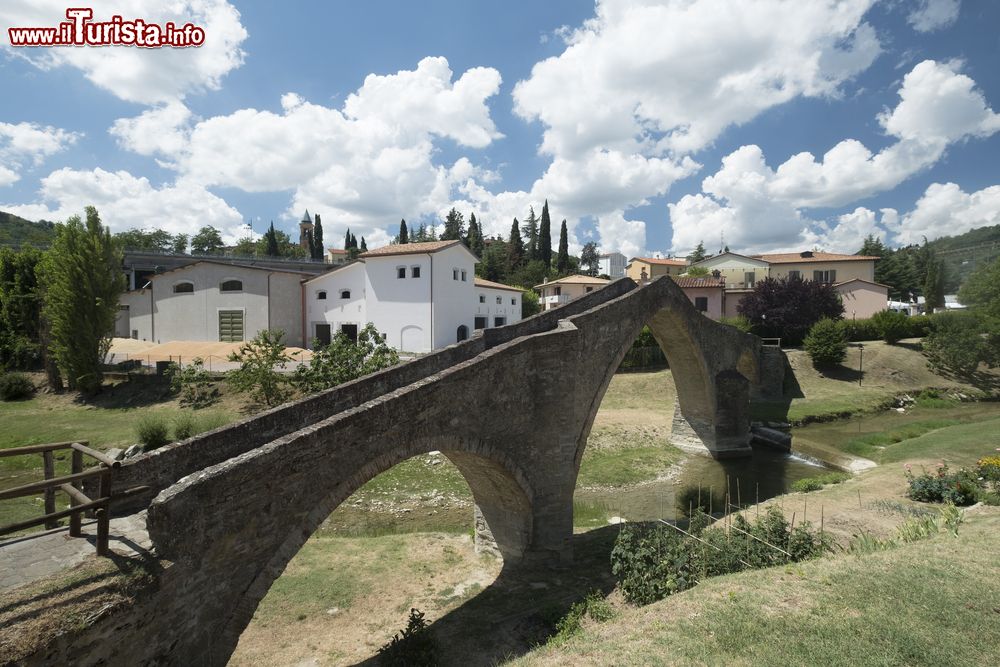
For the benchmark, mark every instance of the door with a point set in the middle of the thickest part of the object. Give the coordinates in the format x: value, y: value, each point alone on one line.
x: 323, y: 334
x: 462, y: 334
x: 351, y: 331
x: 230, y: 326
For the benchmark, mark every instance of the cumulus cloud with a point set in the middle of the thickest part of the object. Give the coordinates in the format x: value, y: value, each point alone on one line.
x: 945, y: 210
x: 29, y: 144
x: 148, y: 76
x: 938, y: 107
x: 930, y: 15
x: 125, y: 201
x: 160, y: 130
x: 657, y: 79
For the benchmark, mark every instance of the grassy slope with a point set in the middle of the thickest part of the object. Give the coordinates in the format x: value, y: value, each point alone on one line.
x: 931, y: 603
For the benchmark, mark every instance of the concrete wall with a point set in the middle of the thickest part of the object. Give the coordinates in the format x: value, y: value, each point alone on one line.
x: 714, y: 295
x: 846, y: 270
x: 862, y: 300
x: 335, y: 310
x: 567, y: 292
x: 486, y: 305
x: 612, y: 265
x: 454, y: 294
x: 735, y: 267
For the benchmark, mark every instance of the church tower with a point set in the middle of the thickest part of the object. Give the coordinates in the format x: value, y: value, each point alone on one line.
x: 305, y: 225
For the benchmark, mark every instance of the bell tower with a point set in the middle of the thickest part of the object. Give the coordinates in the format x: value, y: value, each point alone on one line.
x: 305, y: 225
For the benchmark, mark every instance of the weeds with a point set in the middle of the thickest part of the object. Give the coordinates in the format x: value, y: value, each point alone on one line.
x: 819, y: 481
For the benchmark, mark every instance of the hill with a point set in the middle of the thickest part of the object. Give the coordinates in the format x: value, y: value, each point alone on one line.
x: 15, y: 230
x: 964, y: 253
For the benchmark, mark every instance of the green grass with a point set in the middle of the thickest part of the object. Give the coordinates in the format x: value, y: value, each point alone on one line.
x: 931, y: 602
x: 950, y: 439
x: 873, y: 446
x: 817, y: 482
x: 621, y: 467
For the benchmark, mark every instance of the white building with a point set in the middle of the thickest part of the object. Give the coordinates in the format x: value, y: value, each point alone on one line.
x: 421, y: 296
x: 213, y: 301
x: 612, y: 265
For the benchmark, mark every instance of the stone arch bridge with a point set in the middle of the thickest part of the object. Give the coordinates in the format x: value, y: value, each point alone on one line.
x: 511, y: 408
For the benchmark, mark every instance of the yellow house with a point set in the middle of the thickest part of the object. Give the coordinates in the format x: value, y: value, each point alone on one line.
x: 740, y: 271
x: 647, y: 268
x: 558, y: 292
x: 826, y: 267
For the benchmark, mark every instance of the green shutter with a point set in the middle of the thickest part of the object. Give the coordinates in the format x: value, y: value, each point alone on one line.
x: 230, y: 326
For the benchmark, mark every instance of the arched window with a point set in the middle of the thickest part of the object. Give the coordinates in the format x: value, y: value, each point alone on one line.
x: 321, y: 294
x: 345, y: 294
x: 231, y: 286
x: 463, y: 333
x: 184, y: 288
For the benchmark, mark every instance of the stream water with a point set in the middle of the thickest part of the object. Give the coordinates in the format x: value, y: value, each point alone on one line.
x: 765, y: 474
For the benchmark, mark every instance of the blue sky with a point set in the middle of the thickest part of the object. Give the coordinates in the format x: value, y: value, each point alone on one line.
x: 648, y: 125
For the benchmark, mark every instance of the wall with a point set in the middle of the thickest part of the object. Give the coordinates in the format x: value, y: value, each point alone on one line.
x: 862, y: 300
x: 634, y: 270
x: 490, y: 309
x: 396, y: 303
x: 846, y: 270
x: 334, y: 310
x: 735, y: 267
x: 714, y: 296
x: 454, y: 300
x: 569, y: 292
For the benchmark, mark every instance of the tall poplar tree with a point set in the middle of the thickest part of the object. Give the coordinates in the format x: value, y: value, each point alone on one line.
x: 474, y: 239
x: 404, y: 233
x: 81, y: 276
x: 562, y: 259
x: 545, y: 237
x: 530, y: 230
x: 316, y: 246
x: 515, y: 248
x: 272, y: 242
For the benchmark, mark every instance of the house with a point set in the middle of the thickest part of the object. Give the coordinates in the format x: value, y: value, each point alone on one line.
x: 824, y: 267
x: 739, y: 271
x: 337, y: 256
x: 862, y: 298
x: 708, y: 294
x: 214, y: 301
x: 611, y: 264
x: 640, y: 269
x: 421, y: 296
x: 557, y: 292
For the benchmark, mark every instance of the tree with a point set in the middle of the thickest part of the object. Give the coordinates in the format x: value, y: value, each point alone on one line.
x: 364, y: 246
x: 697, y: 272
x: 157, y: 240
x: 515, y: 248
x: 530, y: 230
x: 955, y: 343
x: 344, y: 360
x: 934, y: 281
x: 245, y: 246
x: 474, y: 239
x: 271, y: 242
x: 698, y: 254
x: 826, y: 343
x: 454, y: 226
x: 81, y: 279
x: 589, y: 259
x: 180, y: 243
x: 316, y: 244
x: 404, y: 233
x: 494, y: 264
x: 531, y: 303
x: 890, y: 325
x: 208, y: 241
x: 873, y: 247
x: 788, y: 307
x: 981, y: 292
x: 257, y: 374
x: 562, y: 259
x: 545, y: 236
x: 20, y: 308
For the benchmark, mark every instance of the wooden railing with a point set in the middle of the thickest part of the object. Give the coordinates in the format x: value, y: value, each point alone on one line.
x: 72, y: 486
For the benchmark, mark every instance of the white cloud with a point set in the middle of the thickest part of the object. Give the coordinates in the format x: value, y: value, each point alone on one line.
x: 946, y: 210
x: 125, y: 201
x: 29, y: 143
x: 148, y: 76
x: 163, y: 129
x: 930, y: 15
x: 647, y: 76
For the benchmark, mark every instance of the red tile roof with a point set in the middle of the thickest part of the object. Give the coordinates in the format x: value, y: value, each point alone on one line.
x: 699, y: 281
x: 482, y: 282
x: 654, y: 260
x: 409, y: 248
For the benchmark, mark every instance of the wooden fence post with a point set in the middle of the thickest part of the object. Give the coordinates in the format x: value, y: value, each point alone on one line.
x: 50, y: 493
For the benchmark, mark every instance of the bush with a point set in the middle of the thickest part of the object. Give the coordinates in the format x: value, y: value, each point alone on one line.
x: 259, y: 360
x: 891, y: 326
x: 826, y: 343
x: 955, y: 343
x: 15, y: 386
x: 740, y: 322
x: 184, y: 426
x: 152, y: 431
x: 787, y: 308
x: 652, y: 561
x: 343, y: 360
x: 193, y: 383
x: 960, y: 488
x: 414, y: 645
x: 594, y: 605
x: 819, y: 481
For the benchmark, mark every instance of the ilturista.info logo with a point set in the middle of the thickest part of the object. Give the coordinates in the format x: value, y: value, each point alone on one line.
x: 81, y: 30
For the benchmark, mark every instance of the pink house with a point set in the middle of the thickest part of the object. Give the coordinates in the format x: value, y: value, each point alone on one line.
x: 706, y: 293
x: 862, y: 298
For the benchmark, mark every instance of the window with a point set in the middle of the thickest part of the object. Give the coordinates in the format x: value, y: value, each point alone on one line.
x: 351, y: 331
x: 795, y: 274
x: 184, y: 288
x: 748, y: 279
x: 499, y: 321
x: 345, y: 294
x: 701, y: 304
x: 513, y: 302
x: 825, y: 276
x: 482, y: 299
x: 415, y: 272
x: 231, y: 286
x: 499, y: 300
x: 322, y: 335
x: 321, y: 295
x: 558, y: 291
x: 454, y: 274
x: 590, y: 289
x: 463, y: 275
x: 401, y: 272
x: 481, y: 322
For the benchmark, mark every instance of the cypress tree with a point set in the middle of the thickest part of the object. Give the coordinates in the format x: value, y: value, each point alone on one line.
x: 364, y: 246
x: 317, y: 242
x: 404, y: 233
x: 347, y: 239
x: 474, y: 238
x: 562, y: 259
x: 530, y: 230
x: 515, y: 248
x: 310, y: 243
x: 272, y: 242
x: 454, y: 226
x: 545, y: 237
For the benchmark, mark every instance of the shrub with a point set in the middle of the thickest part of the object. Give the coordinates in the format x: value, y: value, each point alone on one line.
x: 257, y: 374
x: 891, y: 326
x: 414, y: 645
x: 184, y: 426
x: 988, y: 469
x: 817, y: 482
x: 960, y: 488
x: 787, y: 307
x: 193, y: 383
x: 740, y: 322
x: 344, y: 360
x: 152, y: 431
x: 955, y: 344
x: 594, y: 605
x: 826, y: 343
x: 15, y: 386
